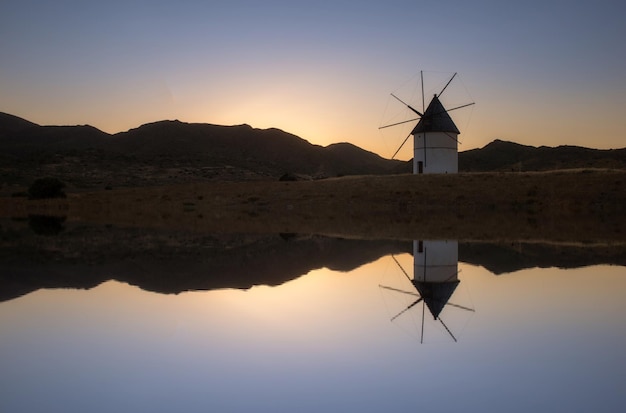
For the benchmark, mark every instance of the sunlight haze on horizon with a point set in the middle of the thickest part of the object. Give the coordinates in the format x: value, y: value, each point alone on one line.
x: 547, y: 73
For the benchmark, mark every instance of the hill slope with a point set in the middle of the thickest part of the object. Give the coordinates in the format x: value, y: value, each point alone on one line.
x: 508, y: 156
x: 170, y: 152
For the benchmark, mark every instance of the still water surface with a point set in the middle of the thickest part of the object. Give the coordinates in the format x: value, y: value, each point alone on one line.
x: 534, y: 340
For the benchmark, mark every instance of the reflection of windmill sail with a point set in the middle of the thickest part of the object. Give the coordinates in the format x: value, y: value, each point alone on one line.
x: 435, y: 279
x: 435, y: 272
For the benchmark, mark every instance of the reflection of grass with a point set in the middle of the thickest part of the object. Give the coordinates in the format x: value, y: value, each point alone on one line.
x: 189, y: 206
x: 46, y: 225
x: 563, y: 205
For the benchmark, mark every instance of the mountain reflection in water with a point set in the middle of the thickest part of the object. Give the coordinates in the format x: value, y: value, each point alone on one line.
x: 322, y: 338
x: 172, y: 262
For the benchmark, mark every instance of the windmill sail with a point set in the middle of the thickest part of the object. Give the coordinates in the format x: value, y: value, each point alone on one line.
x: 434, y: 281
x: 435, y: 136
x: 436, y: 295
x: 435, y: 119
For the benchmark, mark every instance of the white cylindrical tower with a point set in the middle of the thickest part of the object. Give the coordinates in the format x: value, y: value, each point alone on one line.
x: 435, y: 141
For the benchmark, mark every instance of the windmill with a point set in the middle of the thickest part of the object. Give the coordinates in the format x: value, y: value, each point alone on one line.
x: 435, y: 279
x: 435, y: 136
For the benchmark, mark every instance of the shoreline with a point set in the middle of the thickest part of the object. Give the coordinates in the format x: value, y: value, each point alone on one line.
x: 583, y: 206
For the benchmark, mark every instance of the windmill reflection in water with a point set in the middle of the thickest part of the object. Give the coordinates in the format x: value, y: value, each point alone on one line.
x: 435, y: 279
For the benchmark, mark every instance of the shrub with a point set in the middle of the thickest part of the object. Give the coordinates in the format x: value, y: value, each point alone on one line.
x: 46, y: 188
x: 288, y: 177
x: 46, y: 225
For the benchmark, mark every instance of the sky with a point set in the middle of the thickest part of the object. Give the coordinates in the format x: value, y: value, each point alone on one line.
x: 540, y: 72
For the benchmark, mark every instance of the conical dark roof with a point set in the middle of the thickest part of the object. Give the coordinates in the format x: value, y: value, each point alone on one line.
x: 435, y: 119
x: 436, y: 295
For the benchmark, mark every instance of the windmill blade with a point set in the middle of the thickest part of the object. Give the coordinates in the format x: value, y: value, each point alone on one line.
x: 403, y: 142
x: 460, y: 107
x: 422, y: 82
x: 450, y: 110
x: 405, y: 273
x: 461, y: 307
x: 423, y: 310
x: 453, y: 138
x: 453, y: 275
x: 399, y: 290
x: 447, y: 329
x: 408, y: 106
x: 399, y: 123
x: 446, y: 86
x: 407, y: 309
x: 414, y: 160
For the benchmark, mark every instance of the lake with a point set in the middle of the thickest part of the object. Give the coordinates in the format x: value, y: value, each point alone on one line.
x: 305, y: 323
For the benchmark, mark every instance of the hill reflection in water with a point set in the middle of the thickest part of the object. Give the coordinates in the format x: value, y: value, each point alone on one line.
x: 75, y: 256
x: 319, y: 340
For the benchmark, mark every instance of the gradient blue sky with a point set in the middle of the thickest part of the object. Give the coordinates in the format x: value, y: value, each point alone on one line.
x: 541, y: 73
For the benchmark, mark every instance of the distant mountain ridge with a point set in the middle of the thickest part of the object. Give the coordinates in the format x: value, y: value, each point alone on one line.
x: 174, y: 151
x: 82, y: 257
x: 170, y: 151
x: 508, y: 156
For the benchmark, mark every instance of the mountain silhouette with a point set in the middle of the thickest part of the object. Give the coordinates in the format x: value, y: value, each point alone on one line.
x: 205, y: 150
x: 508, y: 257
x: 508, y: 156
x: 170, y: 151
x: 170, y: 262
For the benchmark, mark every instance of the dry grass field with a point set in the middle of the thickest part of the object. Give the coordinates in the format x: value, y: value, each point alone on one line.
x: 582, y: 206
